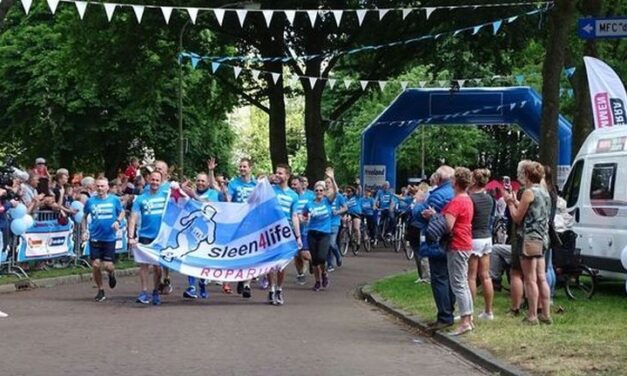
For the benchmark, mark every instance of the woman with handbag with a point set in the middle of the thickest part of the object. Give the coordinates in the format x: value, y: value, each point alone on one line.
x: 532, y: 212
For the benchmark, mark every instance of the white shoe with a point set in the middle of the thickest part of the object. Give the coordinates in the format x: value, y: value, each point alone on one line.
x: 486, y: 316
x: 2, y: 314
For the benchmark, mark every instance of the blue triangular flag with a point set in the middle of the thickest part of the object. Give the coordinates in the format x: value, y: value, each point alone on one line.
x: 520, y: 78
x: 570, y: 92
x: 496, y: 25
x: 570, y: 71
x: 214, y: 67
x: 476, y: 29
x: 195, y: 60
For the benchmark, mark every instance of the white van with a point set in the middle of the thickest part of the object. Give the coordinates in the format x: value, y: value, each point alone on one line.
x: 596, y: 196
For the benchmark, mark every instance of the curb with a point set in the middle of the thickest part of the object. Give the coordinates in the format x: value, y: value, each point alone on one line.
x: 480, y: 357
x: 28, y: 284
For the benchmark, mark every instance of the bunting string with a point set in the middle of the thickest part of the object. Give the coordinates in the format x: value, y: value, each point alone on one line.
x: 495, y: 25
x: 269, y: 14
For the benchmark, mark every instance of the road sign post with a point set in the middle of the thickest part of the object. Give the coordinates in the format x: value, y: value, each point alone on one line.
x: 600, y: 28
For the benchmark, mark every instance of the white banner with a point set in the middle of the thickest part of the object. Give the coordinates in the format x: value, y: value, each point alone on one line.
x: 607, y: 94
x: 374, y: 176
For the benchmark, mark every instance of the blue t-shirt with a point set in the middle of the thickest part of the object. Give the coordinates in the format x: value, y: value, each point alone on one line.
x: 338, y: 202
x: 239, y: 190
x: 103, y: 211
x: 288, y: 200
x: 210, y: 195
x: 404, y: 203
x: 384, y: 198
x: 354, y: 205
x: 320, y: 215
x: 150, y: 208
x: 367, y: 205
x: 303, y: 199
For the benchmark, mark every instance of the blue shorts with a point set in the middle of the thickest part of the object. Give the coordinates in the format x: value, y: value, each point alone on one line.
x: 99, y: 250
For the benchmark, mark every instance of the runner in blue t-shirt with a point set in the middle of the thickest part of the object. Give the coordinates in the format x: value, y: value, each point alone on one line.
x: 238, y: 190
x: 353, y: 202
x: 288, y: 199
x: 367, y: 207
x: 319, y: 214
x: 106, y: 213
x: 384, y: 200
x: 297, y: 184
x: 147, y: 210
x: 339, y: 208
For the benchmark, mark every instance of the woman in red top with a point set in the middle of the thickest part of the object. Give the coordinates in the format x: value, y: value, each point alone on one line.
x: 458, y: 214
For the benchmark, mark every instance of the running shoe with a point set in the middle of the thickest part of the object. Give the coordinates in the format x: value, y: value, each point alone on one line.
x: 270, y: 297
x: 300, y: 279
x: 167, y: 286
x: 240, y: 287
x: 325, y: 280
x: 316, y: 286
x: 156, y: 299
x: 203, y: 291
x: 246, y: 293
x: 2, y: 314
x: 142, y: 298
x: 100, y: 296
x: 112, y: 281
x: 339, y: 263
x: 190, y: 293
x: 330, y: 269
x: 278, y: 297
x: 486, y: 316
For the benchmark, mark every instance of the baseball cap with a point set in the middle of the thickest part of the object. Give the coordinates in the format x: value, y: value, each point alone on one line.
x: 40, y: 161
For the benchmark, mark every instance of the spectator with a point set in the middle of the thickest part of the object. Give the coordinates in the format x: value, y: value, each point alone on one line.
x: 532, y: 212
x: 458, y: 214
x: 132, y: 171
x: 548, y: 257
x: 479, y: 263
x: 40, y: 168
x: 138, y: 185
x: 30, y: 197
x: 88, y: 186
x: 442, y: 294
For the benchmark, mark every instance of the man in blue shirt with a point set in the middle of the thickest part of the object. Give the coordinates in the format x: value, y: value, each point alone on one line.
x: 339, y: 208
x: 148, y: 209
x: 288, y: 200
x: 304, y: 196
x: 106, y: 213
x: 238, y: 190
x: 367, y: 207
x: 385, y: 202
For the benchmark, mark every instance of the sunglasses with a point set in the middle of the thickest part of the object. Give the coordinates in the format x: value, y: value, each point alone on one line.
x: 319, y: 190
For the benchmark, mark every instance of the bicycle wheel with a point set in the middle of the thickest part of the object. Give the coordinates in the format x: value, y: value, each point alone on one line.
x: 344, y: 240
x: 408, y: 249
x: 365, y: 241
x: 398, y: 237
x: 580, y: 283
x: 387, y: 237
x: 354, y: 246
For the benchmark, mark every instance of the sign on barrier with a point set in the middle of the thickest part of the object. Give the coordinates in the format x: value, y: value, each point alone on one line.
x: 121, y: 242
x: 46, y: 240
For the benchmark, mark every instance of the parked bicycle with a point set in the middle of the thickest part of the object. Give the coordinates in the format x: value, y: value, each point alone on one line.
x: 578, y: 279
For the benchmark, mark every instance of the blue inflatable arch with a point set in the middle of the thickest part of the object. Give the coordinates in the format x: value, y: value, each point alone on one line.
x: 484, y: 106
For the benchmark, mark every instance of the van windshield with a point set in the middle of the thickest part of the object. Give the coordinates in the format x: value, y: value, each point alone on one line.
x: 571, y: 188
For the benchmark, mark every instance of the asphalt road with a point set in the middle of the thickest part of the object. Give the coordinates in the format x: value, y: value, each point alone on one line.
x: 62, y: 331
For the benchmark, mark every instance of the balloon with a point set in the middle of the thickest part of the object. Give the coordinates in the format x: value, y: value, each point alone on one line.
x: 28, y: 219
x: 77, y: 205
x: 18, y: 226
x: 78, y: 217
x: 19, y: 211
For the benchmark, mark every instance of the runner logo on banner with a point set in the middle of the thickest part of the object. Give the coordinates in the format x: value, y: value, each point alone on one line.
x: 607, y: 94
x: 223, y: 241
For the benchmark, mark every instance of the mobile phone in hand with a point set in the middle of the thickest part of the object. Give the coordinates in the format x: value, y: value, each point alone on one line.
x: 507, y: 183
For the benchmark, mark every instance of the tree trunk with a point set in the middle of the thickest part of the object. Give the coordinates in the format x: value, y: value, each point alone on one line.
x: 582, y: 125
x: 560, y: 22
x: 316, y: 154
x: 278, y: 139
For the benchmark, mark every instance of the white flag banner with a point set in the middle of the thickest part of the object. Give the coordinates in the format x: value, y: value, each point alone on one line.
x: 237, y: 71
x: 382, y: 85
x: 53, y: 4
x: 139, y: 12
x: 267, y: 15
x: 313, y: 16
x: 81, y: 7
x: 193, y: 14
x: 312, y: 82
x: 219, y: 13
x: 363, y: 84
x: 382, y: 13
x: 241, y: 16
x: 290, y: 14
x: 255, y: 73
x: 109, y: 10
x: 406, y: 13
x: 347, y: 83
x: 167, y: 12
x: 428, y: 12
x: 404, y: 84
x: 461, y: 83
x: 337, y: 14
x: 607, y: 94
x: 332, y: 82
x: 361, y: 14
x: 26, y: 5
x: 275, y: 77
x: 422, y: 83
x: 442, y: 83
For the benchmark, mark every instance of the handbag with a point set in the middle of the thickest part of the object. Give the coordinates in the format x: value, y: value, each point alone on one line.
x: 532, y: 247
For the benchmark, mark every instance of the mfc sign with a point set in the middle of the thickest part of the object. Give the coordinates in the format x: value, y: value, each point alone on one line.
x: 593, y: 28
x: 374, y: 176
